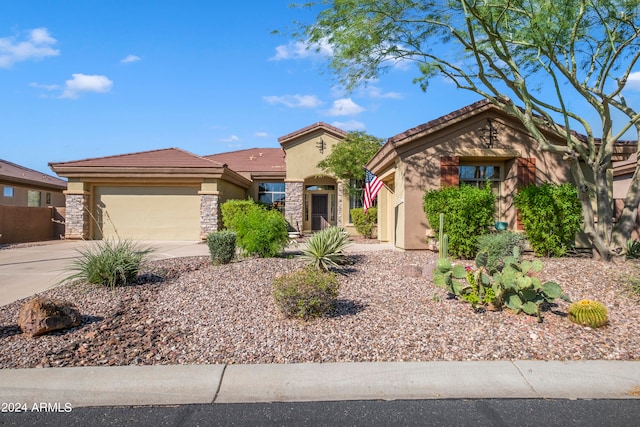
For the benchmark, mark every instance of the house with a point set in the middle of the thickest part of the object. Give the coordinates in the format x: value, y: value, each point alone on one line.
x: 171, y: 194
x: 474, y: 144
x: 22, y: 186
x: 31, y: 204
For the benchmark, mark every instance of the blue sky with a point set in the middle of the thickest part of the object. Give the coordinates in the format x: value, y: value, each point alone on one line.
x: 85, y: 79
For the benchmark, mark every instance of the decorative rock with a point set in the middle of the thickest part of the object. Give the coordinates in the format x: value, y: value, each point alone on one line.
x: 42, y: 315
x: 427, y: 270
x: 409, y: 270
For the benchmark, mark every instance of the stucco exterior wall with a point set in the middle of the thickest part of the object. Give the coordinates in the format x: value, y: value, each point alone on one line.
x: 303, y: 154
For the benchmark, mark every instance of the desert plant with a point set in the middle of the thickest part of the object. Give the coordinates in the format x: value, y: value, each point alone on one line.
x: 493, y: 248
x: 108, y: 263
x: 468, y: 214
x: 261, y: 231
x: 234, y: 209
x: 633, y: 249
x: 588, y: 313
x: 516, y: 287
x: 325, y: 248
x: 443, y: 264
x: 365, y: 223
x: 552, y: 215
x: 306, y: 293
x: 222, y: 246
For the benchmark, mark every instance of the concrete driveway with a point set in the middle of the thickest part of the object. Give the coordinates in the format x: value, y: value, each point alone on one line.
x: 27, y: 270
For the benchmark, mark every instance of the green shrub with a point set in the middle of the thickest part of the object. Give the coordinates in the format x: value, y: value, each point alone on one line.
x: 261, y: 231
x: 552, y: 215
x: 306, y: 293
x: 493, y: 248
x: 233, y: 209
x: 222, y: 246
x: 468, y: 214
x: 325, y: 248
x: 365, y: 223
x: 108, y: 263
x: 633, y: 249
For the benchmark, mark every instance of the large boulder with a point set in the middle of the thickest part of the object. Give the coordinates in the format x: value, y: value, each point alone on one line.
x: 42, y: 315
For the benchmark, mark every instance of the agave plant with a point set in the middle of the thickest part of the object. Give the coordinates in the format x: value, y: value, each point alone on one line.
x: 108, y: 263
x: 325, y: 248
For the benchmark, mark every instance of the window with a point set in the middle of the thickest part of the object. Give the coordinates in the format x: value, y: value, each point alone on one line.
x: 8, y: 192
x: 356, y: 196
x: 34, y: 198
x: 320, y: 187
x: 272, y: 194
x: 479, y: 175
x: 48, y: 199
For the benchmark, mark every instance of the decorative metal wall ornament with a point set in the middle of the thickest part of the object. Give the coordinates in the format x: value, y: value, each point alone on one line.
x: 489, y: 134
x: 321, y: 145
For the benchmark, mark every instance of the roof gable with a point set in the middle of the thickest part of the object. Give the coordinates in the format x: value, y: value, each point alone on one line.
x: 12, y: 172
x: 339, y: 133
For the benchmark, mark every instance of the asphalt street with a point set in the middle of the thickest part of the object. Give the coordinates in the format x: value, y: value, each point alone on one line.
x: 448, y: 412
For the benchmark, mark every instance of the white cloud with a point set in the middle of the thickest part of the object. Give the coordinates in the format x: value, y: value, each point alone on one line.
x: 86, y: 83
x: 302, y: 50
x: 36, y: 46
x: 130, y: 58
x: 633, y: 82
x: 376, y: 92
x: 261, y: 134
x: 294, y: 101
x: 345, y: 107
x: 45, y: 87
x: 350, y: 125
x: 232, y: 138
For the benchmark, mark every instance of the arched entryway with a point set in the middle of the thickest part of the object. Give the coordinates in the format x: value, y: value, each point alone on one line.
x: 320, y: 203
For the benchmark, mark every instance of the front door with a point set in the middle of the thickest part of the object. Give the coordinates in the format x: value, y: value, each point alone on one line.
x: 319, y: 211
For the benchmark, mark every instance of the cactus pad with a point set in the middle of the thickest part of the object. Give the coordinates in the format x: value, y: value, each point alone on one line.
x: 588, y: 313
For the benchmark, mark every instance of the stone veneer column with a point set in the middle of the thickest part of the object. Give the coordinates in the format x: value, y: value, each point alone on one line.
x: 76, y: 222
x: 293, y: 206
x: 209, y: 214
x: 340, y: 196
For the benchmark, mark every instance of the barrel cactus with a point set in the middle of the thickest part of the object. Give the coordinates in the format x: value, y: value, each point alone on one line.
x: 588, y: 313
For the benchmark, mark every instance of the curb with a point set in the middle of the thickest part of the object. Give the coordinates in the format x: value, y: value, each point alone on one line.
x: 305, y: 382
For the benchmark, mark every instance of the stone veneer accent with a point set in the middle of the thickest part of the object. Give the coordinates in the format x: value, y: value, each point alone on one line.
x: 77, y: 216
x: 293, y: 206
x: 209, y: 214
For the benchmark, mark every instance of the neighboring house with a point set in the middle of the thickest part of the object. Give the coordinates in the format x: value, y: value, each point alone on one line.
x: 22, y: 186
x: 31, y: 205
x: 175, y: 195
x: 474, y: 144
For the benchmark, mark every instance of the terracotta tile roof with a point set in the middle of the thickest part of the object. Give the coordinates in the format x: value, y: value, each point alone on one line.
x: 480, y: 105
x: 252, y: 160
x: 11, y: 172
x: 168, y: 157
x: 320, y: 125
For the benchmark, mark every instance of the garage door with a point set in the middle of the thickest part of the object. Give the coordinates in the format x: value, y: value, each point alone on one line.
x: 147, y: 213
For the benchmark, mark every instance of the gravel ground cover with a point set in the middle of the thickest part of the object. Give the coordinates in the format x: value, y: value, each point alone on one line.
x: 185, y: 311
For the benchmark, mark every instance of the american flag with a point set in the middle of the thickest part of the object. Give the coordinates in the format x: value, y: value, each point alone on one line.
x: 372, y: 186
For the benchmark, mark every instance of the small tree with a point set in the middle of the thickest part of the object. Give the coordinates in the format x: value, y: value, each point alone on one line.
x: 348, y: 157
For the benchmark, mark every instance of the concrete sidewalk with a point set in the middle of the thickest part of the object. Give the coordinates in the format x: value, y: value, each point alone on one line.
x: 193, y: 384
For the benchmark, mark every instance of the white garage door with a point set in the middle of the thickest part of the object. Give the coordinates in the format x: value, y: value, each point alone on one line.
x: 147, y: 213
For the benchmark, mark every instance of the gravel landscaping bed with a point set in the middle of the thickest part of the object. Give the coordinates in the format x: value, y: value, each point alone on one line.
x: 186, y: 311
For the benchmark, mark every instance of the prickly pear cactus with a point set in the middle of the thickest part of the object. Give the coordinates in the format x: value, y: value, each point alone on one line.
x: 588, y: 313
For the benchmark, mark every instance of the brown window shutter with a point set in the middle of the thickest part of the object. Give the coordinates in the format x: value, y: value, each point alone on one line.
x: 526, y: 173
x: 449, y: 171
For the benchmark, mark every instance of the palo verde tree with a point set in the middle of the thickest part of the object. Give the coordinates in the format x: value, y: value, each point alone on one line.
x: 507, y: 51
x: 348, y: 157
